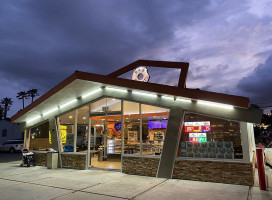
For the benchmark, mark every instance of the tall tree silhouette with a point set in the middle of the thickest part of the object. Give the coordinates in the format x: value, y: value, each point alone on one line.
x: 22, y: 95
x: 1, y: 112
x: 32, y: 93
x: 6, y: 103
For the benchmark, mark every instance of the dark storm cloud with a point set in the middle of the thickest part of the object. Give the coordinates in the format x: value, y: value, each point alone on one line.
x: 54, y: 38
x: 42, y: 42
x: 258, y: 85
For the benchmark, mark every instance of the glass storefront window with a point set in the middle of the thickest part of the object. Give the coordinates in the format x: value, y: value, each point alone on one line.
x: 40, y: 138
x: 67, y: 131
x: 154, y: 124
x: 131, y: 128
x: 209, y: 137
x: 82, y: 129
x: 106, y: 105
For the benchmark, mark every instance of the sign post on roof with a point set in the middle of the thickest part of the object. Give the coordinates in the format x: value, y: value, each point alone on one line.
x: 140, y: 74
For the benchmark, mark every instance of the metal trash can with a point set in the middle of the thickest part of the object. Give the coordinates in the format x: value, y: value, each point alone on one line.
x: 52, y: 159
x: 100, y: 155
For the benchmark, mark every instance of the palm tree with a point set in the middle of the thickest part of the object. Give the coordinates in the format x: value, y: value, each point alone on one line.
x: 6, y: 102
x: 22, y: 95
x: 32, y: 93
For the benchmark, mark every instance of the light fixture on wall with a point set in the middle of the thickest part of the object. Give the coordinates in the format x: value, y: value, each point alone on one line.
x: 91, y: 93
x: 212, y: 104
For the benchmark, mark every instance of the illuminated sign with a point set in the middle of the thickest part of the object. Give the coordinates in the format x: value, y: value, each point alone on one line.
x: 197, y: 137
x: 140, y: 74
x: 157, y: 124
x: 63, y: 130
x: 118, y: 126
x: 197, y: 127
x: 50, y: 140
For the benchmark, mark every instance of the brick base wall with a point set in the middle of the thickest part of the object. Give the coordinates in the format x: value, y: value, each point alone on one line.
x: 140, y: 166
x: 215, y: 171
x: 40, y: 158
x: 74, y: 161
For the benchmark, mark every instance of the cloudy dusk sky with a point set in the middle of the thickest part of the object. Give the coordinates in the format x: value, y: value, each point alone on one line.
x: 227, y: 43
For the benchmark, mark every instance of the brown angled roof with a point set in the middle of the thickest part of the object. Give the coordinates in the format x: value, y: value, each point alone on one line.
x: 151, y: 87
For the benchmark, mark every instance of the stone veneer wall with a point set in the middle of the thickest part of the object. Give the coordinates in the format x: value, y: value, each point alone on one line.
x: 39, y: 144
x: 144, y: 166
x: 74, y: 160
x: 40, y: 158
x: 215, y: 171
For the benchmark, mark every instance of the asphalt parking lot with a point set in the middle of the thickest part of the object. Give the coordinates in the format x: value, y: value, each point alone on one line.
x: 7, y: 157
x: 41, y: 183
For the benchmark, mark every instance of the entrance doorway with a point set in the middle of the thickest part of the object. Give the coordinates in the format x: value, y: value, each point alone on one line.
x: 106, y: 141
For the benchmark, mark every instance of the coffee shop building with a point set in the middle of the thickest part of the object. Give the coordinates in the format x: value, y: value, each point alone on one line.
x: 143, y: 128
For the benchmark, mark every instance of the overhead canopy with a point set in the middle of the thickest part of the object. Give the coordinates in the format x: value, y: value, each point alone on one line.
x: 80, y: 83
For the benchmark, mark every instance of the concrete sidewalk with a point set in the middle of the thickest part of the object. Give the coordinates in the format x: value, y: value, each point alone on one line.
x: 40, y: 183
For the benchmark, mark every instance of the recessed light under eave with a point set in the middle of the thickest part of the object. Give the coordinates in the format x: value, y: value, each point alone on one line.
x: 144, y: 94
x: 91, y: 93
x: 213, y: 104
x: 184, y: 100
x: 33, y: 119
x: 116, y: 89
x: 50, y: 111
x: 169, y: 98
x: 68, y: 103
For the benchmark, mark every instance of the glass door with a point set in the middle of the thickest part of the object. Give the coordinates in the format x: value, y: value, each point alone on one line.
x: 106, y: 133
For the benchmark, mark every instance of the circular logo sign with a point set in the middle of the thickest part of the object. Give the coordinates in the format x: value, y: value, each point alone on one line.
x: 140, y: 74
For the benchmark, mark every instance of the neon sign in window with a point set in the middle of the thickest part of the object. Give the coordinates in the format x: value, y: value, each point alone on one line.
x: 197, y: 137
x: 197, y: 127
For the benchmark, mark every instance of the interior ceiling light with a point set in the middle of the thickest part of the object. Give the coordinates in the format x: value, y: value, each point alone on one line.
x: 116, y: 89
x: 70, y: 117
x: 218, y: 105
x: 67, y: 104
x: 184, y: 100
x: 91, y: 93
x: 50, y: 111
x: 144, y: 94
x: 34, y: 118
x: 84, y: 118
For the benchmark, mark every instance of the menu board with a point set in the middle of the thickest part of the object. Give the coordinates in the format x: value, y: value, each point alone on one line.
x: 197, y: 127
x: 222, y: 150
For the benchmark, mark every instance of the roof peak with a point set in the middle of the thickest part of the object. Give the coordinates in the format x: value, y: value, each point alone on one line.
x: 183, y: 66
